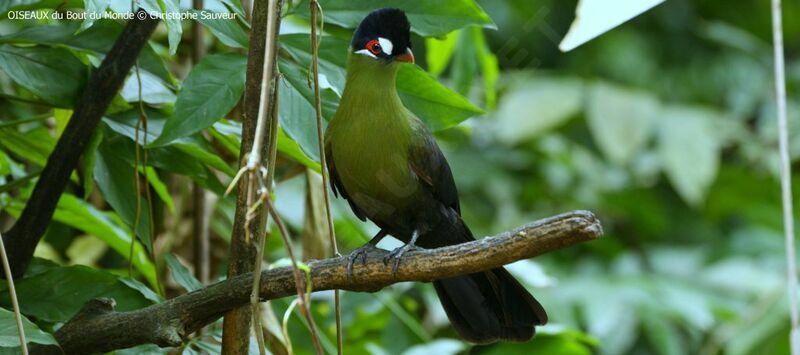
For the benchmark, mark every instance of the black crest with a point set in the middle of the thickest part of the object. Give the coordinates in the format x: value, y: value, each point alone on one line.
x: 388, y: 23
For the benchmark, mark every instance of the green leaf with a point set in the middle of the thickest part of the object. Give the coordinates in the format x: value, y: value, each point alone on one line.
x: 174, y: 27
x: 9, y: 336
x: 435, y: 104
x: 34, y: 145
x: 107, y: 226
x: 97, y: 39
x: 663, y: 335
x: 332, y: 58
x: 555, y: 100
x: 94, y: 8
x: 57, y: 294
x: 142, y: 288
x: 465, y: 67
x: 200, y: 149
x: 159, y: 187
x: 288, y: 146
x: 689, y: 144
x: 296, y: 111
x: 154, y: 90
x: 621, y: 121
x: 88, y: 162
x: 181, y: 274
x: 212, y: 89
x: 473, y: 56
x: 229, y: 32
x: 490, y: 68
x: 228, y: 133
x: 116, y: 180
x: 124, y: 123
x: 595, y: 17
x: 53, y: 74
x: 439, y: 51
x: 27, y: 4
x: 428, y: 18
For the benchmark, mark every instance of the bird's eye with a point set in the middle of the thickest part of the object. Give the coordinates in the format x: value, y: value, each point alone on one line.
x: 374, y: 47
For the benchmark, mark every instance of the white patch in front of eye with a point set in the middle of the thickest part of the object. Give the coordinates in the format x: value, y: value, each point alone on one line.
x: 386, y: 45
x: 366, y: 53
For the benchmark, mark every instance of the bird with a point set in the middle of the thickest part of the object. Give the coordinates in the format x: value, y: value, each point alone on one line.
x: 385, y: 162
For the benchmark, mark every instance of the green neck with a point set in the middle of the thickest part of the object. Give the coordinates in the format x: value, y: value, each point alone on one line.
x: 371, y: 84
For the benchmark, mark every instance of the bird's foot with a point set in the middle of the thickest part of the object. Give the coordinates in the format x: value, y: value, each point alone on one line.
x: 358, y: 253
x: 397, y: 254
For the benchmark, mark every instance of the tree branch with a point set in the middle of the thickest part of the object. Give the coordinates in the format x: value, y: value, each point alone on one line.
x: 103, y: 85
x: 98, y: 328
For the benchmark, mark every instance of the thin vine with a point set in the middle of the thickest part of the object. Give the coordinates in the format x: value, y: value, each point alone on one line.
x: 786, y: 175
x: 315, y: 41
x: 13, y: 294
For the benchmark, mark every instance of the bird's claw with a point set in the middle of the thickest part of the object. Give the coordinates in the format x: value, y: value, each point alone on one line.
x: 397, y: 254
x: 358, y: 253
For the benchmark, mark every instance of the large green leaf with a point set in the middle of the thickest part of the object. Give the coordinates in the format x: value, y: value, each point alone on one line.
x: 57, y: 294
x: 533, y: 106
x: 8, y: 331
x: 689, y: 145
x: 621, y: 120
x: 53, y: 74
x: 181, y: 274
x: 428, y: 18
x: 116, y: 180
x: 212, y: 89
x: 229, y: 32
x: 439, y: 51
x: 435, y: 104
x: 296, y: 111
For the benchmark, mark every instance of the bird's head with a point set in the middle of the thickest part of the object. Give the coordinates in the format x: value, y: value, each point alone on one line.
x: 385, y: 36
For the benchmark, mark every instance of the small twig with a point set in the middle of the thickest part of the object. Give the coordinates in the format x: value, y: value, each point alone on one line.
x: 13, y: 294
x: 200, y: 215
x: 321, y: 142
x: 298, y: 279
x: 141, y: 160
x: 266, y: 192
x: 786, y: 174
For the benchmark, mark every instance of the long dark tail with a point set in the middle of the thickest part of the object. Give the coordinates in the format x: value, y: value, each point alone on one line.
x: 489, y: 306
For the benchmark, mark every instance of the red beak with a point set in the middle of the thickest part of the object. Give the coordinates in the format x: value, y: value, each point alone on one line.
x: 407, y: 57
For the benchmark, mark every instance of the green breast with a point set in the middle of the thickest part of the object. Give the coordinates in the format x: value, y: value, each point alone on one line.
x: 369, y: 138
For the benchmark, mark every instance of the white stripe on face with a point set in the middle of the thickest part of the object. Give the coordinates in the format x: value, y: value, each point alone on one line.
x: 365, y: 52
x: 386, y: 45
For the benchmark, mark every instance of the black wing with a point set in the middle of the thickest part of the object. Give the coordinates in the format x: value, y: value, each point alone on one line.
x: 428, y: 163
x: 336, y: 184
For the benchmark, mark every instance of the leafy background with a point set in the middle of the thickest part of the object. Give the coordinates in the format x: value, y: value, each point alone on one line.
x: 664, y: 127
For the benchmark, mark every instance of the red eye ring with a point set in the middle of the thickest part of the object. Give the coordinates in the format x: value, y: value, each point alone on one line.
x: 374, y: 47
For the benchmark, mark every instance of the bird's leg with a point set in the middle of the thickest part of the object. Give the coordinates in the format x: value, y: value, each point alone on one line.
x: 362, y: 252
x: 397, y: 253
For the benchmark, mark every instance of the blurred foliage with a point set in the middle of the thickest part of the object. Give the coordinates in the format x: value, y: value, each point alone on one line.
x: 664, y: 127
